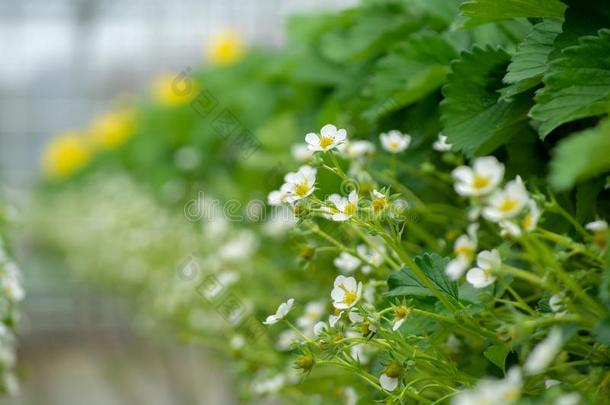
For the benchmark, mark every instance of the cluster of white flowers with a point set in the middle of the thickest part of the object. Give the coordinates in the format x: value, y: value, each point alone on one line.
x: 10, y: 294
x: 511, y: 207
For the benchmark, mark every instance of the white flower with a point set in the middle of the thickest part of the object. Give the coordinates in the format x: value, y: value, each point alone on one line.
x: 400, y: 315
x: 359, y: 352
x: 388, y: 383
x: 556, y: 304
x: 487, y: 262
x: 279, y: 197
x: 237, y: 342
x: 597, y: 226
x: 286, y: 339
x: 281, y: 312
x: 345, y: 208
x: 301, y: 153
x: 299, y: 184
x: 346, y: 292
x: 356, y: 149
x: 485, y: 175
x: 269, y: 386
x: 372, y: 256
x: 572, y: 398
x: 544, y: 353
x: 329, y: 138
x: 281, y: 221
x: 239, y: 248
x: 464, y: 249
x: 395, y: 141
x: 312, y: 314
x: 507, y: 203
x: 350, y: 395
x: 334, y: 318
x: 346, y: 262
x: 549, y: 382
x: 530, y: 221
x: 369, y: 294
x: 441, y: 144
x: 11, y: 283
x: 319, y: 328
x: 493, y: 392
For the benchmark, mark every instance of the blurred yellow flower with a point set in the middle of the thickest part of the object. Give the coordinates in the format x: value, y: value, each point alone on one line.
x: 65, y: 154
x: 226, y: 48
x: 112, y: 129
x: 172, y: 89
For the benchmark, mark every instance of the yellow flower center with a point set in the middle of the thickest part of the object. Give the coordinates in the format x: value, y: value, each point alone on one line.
x: 226, y: 48
x: 301, y: 189
x: 326, y: 141
x: 528, y: 221
x: 464, y: 250
x: 394, y: 145
x: 350, y: 209
x: 508, y: 205
x: 480, y: 182
x: 350, y: 297
x: 379, y: 204
x: 401, y: 312
x: 65, y: 155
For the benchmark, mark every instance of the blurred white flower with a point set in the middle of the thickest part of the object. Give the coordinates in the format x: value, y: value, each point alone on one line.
x: 346, y: 263
x: 345, y: 208
x: 299, y: 184
x: 237, y: 342
x: 395, y: 141
x: 328, y: 139
x: 301, y: 153
x: 487, y: 262
x: 279, y: 197
x: 493, y: 392
x: 388, y: 383
x: 319, y: 327
x: 11, y: 283
x: 356, y: 149
x: 269, y: 386
x: 281, y: 221
x: 572, y: 398
x: 372, y: 256
x: 240, y: 247
x: 544, y: 353
x: 286, y: 339
x: 507, y: 203
x: 312, y: 314
x: 281, y: 312
x: 350, y: 396
x: 597, y: 226
x: 484, y: 176
x: 441, y: 144
x: 464, y: 249
x: 557, y: 305
x: 346, y: 292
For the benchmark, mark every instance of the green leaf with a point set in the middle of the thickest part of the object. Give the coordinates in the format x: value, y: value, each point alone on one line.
x: 576, y: 85
x: 529, y: 62
x: 601, y: 332
x: 410, y: 72
x: 406, y: 283
x: 497, y: 354
x: 474, y: 117
x: 581, y: 156
x: 364, y: 31
x: 485, y: 11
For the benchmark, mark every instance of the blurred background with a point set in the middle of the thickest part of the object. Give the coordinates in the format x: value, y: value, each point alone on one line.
x: 63, y: 62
